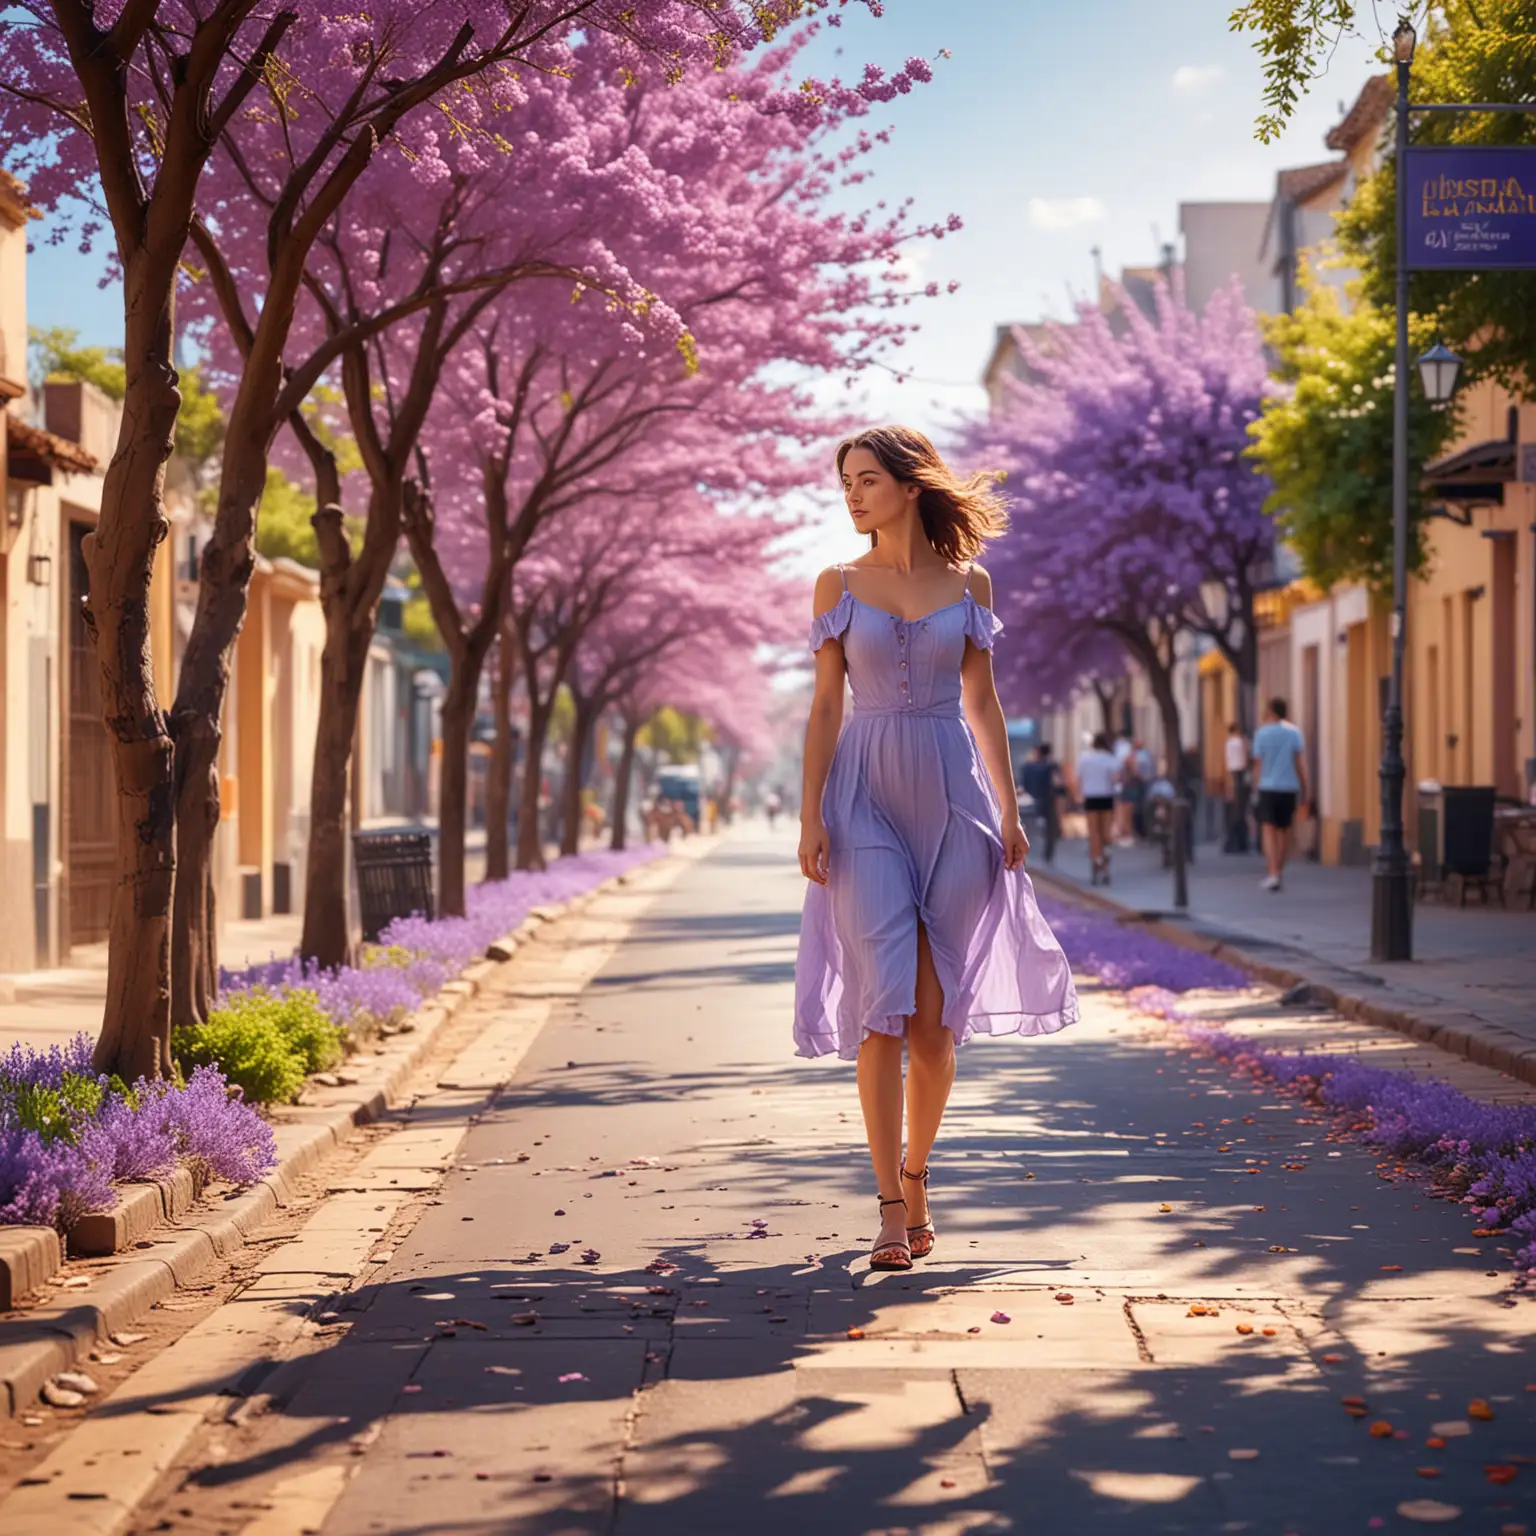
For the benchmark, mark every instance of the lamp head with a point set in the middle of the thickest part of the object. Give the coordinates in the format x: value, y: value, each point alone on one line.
x: 1439, y: 368
x: 1404, y: 40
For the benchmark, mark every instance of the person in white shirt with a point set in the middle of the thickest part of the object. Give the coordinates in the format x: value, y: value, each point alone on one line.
x: 1098, y: 776
x: 1237, y: 790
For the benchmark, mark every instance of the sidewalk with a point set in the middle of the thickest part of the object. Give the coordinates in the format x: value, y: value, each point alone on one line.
x: 636, y: 1299
x: 51, y: 1007
x: 43, y: 1008
x: 1473, y: 978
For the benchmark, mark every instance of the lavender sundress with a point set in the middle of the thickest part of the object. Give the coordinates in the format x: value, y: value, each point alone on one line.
x: 916, y: 836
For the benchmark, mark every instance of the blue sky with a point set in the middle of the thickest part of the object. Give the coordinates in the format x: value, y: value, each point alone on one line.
x: 1051, y: 128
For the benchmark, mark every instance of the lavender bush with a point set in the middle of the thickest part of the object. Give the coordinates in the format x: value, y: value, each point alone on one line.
x: 416, y: 956
x: 67, y: 1133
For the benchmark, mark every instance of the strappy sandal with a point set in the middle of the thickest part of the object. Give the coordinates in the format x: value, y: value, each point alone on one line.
x: 891, y: 1256
x: 922, y: 1237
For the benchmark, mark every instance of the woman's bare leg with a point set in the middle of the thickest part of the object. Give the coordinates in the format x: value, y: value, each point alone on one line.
x: 880, y: 1098
x: 930, y: 1076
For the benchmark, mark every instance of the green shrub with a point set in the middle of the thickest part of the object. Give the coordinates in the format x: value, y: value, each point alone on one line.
x: 265, y: 1042
x: 55, y: 1113
x: 394, y: 956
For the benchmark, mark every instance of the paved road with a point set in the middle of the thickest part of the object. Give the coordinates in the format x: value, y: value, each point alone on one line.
x: 1475, y: 961
x: 700, y: 1376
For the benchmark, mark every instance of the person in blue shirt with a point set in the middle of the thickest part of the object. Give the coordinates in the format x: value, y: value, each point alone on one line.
x: 1280, y: 774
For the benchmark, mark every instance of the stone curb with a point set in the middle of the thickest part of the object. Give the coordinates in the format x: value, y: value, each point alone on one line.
x: 1459, y: 1034
x: 47, y: 1340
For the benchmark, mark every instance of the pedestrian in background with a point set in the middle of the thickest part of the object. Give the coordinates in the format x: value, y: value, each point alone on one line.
x: 1125, y: 797
x: 1237, y: 790
x: 1280, y: 769
x: 920, y: 925
x: 1146, y: 771
x: 1098, y: 776
x: 1043, y: 784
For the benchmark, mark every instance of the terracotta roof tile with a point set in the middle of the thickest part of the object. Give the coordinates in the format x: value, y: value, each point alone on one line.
x: 1304, y: 181
x: 21, y: 438
x: 1367, y: 114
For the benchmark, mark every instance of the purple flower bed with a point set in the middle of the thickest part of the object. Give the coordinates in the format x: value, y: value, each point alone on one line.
x: 68, y: 1134
x: 1125, y: 955
x: 416, y: 955
x: 1481, y: 1154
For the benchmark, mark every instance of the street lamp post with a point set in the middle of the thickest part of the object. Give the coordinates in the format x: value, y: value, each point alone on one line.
x: 1391, y: 906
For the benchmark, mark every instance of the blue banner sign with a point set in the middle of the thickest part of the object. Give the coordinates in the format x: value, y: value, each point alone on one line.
x: 1471, y: 207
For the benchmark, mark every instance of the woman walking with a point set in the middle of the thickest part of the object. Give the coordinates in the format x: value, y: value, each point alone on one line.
x: 920, y: 923
x: 1098, y: 777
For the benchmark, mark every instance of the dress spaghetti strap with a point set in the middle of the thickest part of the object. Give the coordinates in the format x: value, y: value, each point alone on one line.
x: 842, y: 571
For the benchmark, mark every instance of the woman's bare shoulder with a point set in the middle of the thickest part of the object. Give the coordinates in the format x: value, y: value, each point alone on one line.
x: 981, y: 585
x: 828, y: 591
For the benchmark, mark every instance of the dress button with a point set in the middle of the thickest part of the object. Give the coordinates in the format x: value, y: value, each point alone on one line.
x: 903, y: 666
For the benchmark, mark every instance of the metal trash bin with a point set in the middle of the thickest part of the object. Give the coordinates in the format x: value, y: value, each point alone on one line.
x: 394, y: 878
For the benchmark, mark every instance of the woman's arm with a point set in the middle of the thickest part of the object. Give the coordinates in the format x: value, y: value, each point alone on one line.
x: 984, y: 711
x: 821, y: 730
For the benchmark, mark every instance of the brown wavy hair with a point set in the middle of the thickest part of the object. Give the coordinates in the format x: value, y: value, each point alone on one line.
x: 959, y: 514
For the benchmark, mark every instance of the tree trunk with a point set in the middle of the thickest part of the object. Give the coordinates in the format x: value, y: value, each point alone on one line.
x: 135, y: 1039
x: 453, y: 796
x: 120, y: 556
x: 583, y: 723
x: 733, y: 756
x: 617, y: 840
x: 326, y: 935
x: 498, y: 788
x: 530, y: 848
x: 224, y: 580
x: 194, y: 947
x: 1106, y: 698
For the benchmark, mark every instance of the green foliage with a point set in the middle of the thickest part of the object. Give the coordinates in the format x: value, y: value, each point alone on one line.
x: 283, y: 527
x: 56, y: 1113
x: 416, y: 621
x: 679, y: 736
x: 1294, y: 38
x: 56, y: 354
x: 283, y: 523
x: 1325, y: 438
x: 1482, y: 51
x: 199, y: 423
x: 388, y: 956
x: 265, y: 1042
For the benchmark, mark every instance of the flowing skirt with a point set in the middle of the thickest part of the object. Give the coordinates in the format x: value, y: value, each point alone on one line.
x: 915, y: 834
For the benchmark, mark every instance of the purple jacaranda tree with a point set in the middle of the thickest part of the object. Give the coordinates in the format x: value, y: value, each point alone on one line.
x: 1134, y: 512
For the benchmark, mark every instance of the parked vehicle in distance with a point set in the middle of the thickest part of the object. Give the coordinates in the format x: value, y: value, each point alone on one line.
x: 679, y: 782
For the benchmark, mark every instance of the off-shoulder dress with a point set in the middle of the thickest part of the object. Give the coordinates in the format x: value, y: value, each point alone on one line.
x: 916, y: 837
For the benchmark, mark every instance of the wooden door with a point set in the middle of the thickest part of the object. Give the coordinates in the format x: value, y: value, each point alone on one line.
x: 90, y: 809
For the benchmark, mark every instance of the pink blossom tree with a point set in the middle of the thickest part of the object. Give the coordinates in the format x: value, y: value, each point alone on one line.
x: 134, y: 102
x: 563, y: 410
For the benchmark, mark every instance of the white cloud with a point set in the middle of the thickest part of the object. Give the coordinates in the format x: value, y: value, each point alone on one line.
x: 1064, y: 212
x: 1193, y: 79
